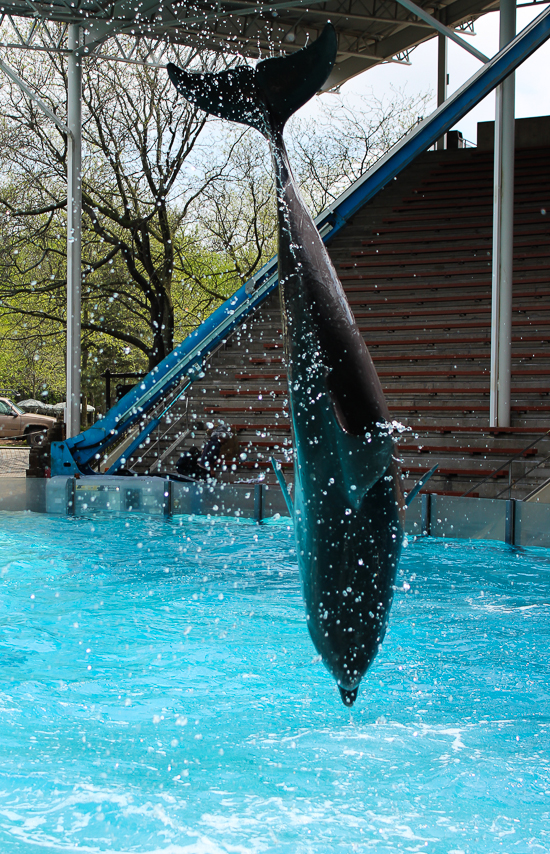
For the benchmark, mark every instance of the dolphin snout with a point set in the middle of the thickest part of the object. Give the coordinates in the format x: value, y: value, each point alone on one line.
x: 348, y: 697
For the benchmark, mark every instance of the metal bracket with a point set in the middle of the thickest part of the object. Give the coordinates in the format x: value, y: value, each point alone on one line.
x: 62, y: 461
x: 441, y: 28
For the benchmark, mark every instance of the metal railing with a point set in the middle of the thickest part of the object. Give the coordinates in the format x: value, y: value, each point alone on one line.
x: 534, y: 492
x: 508, y: 463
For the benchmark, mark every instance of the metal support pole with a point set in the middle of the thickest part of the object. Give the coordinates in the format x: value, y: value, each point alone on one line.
x: 426, y: 517
x: 167, y: 498
x: 442, y: 80
x: 74, y: 231
x: 510, y: 522
x: 258, y: 503
x: 503, y: 234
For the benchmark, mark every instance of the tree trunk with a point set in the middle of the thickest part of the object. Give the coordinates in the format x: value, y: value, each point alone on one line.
x: 162, y: 322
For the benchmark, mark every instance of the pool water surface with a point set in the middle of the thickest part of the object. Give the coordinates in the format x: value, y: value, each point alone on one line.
x: 160, y: 693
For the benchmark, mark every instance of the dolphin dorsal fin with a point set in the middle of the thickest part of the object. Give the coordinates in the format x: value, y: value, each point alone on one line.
x: 266, y: 96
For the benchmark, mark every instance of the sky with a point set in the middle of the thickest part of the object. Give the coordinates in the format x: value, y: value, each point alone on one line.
x: 532, y: 78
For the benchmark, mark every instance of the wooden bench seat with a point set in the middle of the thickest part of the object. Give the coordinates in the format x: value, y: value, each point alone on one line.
x: 453, y: 203
x: 448, y: 181
x: 453, y: 325
x: 542, y: 231
x: 247, y: 392
x: 426, y: 374
x: 486, y: 245
x: 442, y: 274
x: 401, y: 258
x: 473, y: 391
x: 263, y: 376
x: 391, y: 391
x: 483, y: 431
x: 480, y: 288
x: 373, y: 260
x: 256, y: 464
x: 433, y: 406
x: 482, y: 190
x: 428, y: 489
x: 450, y: 472
x: 250, y: 410
x: 473, y: 452
x: 450, y: 311
x: 444, y: 226
x: 453, y: 320
x: 480, y: 339
x: 483, y: 173
x: 453, y: 215
x: 407, y: 449
x: 430, y: 357
x: 266, y: 428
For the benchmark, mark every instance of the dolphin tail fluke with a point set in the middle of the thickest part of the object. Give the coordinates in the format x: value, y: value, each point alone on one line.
x: 348, y: 697
x: 266, y: 96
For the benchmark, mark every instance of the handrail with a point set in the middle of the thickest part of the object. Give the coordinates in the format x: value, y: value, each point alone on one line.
x: 154, y: 422
x: 503, y: 466
x: 517, y: 480
x: 536, y: 490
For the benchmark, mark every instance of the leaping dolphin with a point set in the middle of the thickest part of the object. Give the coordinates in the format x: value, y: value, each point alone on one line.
x: 348, y: 508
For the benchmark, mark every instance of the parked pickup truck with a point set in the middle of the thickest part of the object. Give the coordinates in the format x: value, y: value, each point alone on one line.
x: 14, y: 422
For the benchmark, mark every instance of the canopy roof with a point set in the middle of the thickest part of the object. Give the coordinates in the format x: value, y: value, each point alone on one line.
x: 369, y: 31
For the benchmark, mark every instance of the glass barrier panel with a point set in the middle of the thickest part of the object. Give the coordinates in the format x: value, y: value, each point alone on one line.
x: 468, y: 518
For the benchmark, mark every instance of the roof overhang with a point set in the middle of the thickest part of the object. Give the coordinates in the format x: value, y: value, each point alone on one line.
x: 370, y: 32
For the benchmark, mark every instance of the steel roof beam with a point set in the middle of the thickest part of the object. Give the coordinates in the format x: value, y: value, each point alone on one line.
x: 9, y: 72
x: 441, y: 28
x: 331, y: 14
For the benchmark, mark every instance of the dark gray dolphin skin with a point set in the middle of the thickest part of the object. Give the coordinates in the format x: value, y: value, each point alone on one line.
x: 348, y: 506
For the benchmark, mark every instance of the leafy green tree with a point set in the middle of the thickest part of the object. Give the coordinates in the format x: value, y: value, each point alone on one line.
x: 178, y: 210
x: 146, y: 160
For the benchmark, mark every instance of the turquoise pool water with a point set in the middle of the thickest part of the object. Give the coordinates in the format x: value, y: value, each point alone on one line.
x: 160, y: 693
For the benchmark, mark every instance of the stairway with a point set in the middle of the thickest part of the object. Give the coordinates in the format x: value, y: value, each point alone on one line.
x: 415, y: 263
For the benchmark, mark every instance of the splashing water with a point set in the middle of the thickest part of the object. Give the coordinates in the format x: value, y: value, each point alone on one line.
x: 160, y: 694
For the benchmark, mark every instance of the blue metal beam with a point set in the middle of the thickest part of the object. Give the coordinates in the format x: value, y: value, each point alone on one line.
x: 77, y: 454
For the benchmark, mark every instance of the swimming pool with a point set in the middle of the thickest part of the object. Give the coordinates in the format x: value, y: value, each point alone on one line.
x: 160, y: 694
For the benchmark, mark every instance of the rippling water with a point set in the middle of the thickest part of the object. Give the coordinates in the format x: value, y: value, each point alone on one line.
x: 159, y: 693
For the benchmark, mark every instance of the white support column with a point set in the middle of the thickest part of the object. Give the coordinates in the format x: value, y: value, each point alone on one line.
x: 442, y: 80
x: 503, y: 234
x: 74, y: 231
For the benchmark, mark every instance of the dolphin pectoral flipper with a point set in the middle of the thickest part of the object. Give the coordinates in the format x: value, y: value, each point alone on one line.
x: 266, y: 96
x: 419, y: 484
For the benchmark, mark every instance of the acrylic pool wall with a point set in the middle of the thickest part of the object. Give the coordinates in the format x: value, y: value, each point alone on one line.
x: 514, y: 522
